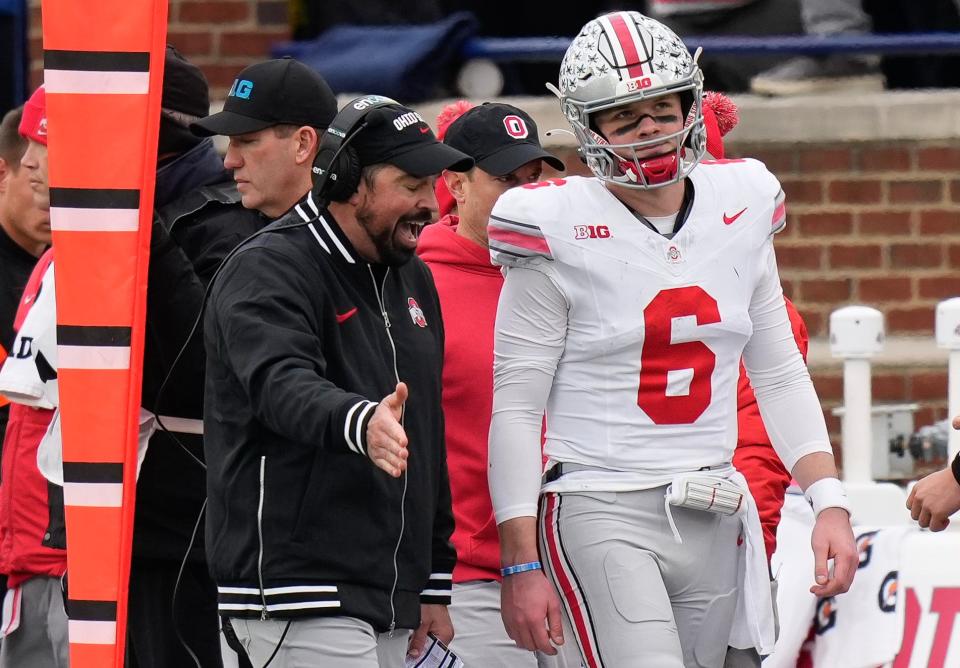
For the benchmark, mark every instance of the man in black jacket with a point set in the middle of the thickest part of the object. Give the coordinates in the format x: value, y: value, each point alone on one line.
x: 198, y: 221
x: 329, y: 515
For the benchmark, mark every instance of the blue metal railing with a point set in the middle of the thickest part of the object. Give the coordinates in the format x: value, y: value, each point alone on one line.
x: 551, y: 49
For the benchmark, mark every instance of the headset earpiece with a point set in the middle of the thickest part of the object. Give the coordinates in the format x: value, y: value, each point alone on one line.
x: 336, y: 169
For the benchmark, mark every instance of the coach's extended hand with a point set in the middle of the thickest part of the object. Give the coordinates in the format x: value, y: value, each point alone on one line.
x: 386, y: 439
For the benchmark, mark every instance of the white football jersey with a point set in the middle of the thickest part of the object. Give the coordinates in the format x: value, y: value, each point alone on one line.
x: 655, y: 327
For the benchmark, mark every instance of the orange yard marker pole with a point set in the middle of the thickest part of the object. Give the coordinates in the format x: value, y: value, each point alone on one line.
x: 103, y: 72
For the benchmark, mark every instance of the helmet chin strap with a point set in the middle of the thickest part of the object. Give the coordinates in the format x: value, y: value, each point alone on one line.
x: 659, y: 169
x: 653, y: 171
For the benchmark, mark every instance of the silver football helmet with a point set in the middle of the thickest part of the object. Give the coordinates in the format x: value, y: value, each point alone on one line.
x: 623, y: 57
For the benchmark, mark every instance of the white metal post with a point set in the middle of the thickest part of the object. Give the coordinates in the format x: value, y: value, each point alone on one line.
x: 856, y: 334
x: 948, y: 336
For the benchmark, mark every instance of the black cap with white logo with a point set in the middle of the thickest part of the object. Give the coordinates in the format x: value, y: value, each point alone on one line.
x: 500, y: 137
x: 399, y: 136
x: 275, y: 92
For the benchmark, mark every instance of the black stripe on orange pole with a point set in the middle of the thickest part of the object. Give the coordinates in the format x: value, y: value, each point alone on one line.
x: 103, y: 72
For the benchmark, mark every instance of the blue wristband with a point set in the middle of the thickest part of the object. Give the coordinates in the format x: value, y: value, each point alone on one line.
x: 520, y: 568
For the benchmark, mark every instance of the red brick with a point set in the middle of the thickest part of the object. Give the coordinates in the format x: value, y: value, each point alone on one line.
x: 924, y: 416
x: 916, y: 255
x: 889, y: 387
x: 953, y: 255
x: 910, y: 320
x: 955, y: 191
x: 191, y: 44
x: 829, y: 387
x: 800, y: 257
x: 887, y: 223
x: 853, y: 257
x: 221, y: 76
x: 826, y: 290
x: 35, y: 46
x: 778, y: 160
x: 255, y: 44
x: 803, y: 192
x: 938, y: 287
x: 928, y: 385
x: 939, y: 221
x: 916, y: 191
x: 272, y: 12
x: 884, y: 159
x: 789, y: 289
x: 940, y: 158
x: 216, y: 12
x: 789, y: 230
x: 819, y: 160
x: 816, y: 320
x: 855, y: 192
x: 833, y: 424
x: 825, y: 223
x: 872, y: 290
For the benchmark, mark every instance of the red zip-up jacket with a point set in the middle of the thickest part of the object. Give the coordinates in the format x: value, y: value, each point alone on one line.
x: 31, y: 508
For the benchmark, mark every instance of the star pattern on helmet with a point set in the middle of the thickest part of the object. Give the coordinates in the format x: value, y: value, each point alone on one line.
x: 591, y: 56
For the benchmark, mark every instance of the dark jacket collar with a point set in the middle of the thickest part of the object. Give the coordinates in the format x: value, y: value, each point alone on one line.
x: 200, y: 166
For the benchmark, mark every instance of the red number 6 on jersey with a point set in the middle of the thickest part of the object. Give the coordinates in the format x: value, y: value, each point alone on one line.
x: 660, y: 356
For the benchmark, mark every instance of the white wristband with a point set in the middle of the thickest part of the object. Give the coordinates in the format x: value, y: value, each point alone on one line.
x: 827, y: 493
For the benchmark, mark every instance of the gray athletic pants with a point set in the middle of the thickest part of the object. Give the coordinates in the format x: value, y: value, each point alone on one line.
x: 480, y: 639
x: 315, y: 642
x: 631, y: 594
x: 41, y: 640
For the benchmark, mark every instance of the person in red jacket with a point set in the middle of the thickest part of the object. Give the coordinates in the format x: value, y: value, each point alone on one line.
x: 469, y: 286
x: 503, y: 140
x: 32, y: 530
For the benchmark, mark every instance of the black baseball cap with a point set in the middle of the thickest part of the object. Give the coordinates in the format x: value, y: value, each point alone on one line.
x: 500, y: 137
x: 185, y: 99
x: 399, y: 136
x: 275, y: 92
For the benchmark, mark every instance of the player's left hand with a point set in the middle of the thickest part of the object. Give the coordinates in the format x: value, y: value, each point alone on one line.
x: 434, y: 619
x: 833, y: 539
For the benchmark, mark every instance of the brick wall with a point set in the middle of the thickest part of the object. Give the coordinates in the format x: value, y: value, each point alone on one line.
x: 220, y: 36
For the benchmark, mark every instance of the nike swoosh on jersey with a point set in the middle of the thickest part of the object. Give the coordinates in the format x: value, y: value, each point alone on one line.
x: 728, y: 220
x: 346, y: 315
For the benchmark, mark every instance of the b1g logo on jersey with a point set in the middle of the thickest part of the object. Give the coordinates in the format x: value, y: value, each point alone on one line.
x: 516, y: 127
x: 887, y: 596
x: 416, y: 313
x: 591, y: 232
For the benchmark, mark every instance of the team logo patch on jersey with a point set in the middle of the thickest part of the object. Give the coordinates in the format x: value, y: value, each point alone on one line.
x: 826, y: 617
x: 416, y: 313
x: 674, y: 255
x: 887, y: 596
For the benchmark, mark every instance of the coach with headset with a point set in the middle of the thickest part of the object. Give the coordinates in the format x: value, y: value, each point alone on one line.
x: 329, y: 519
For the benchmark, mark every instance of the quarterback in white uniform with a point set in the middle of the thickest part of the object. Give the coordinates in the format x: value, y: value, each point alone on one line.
x: 628, y: 303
